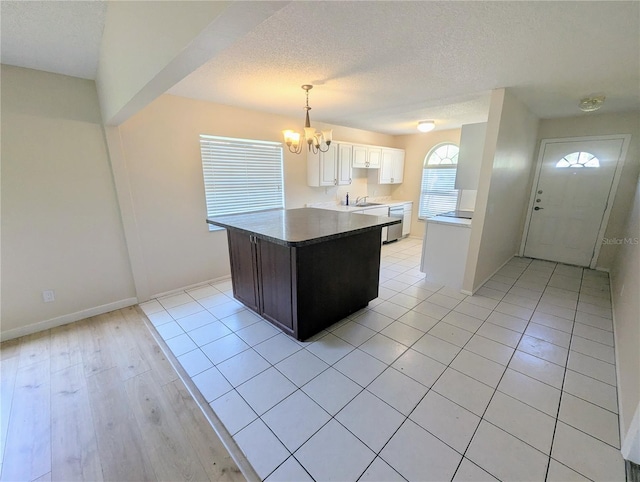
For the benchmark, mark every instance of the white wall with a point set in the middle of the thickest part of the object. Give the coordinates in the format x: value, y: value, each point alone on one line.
x: 148, y: 47
x: 136, y: 45
x: 61, y: 226
x: 158, y: 172
x: 602, y: 124
x: 503, y: 193
x: 625, y: 290
x: 416, y: 147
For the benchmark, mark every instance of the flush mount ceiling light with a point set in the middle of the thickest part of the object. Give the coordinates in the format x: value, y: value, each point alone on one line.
x: 426, y: 125
x: 591, y: 103
x: 315, y: 140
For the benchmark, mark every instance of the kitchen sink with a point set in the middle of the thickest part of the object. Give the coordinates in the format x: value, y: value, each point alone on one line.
x: 364, y: 205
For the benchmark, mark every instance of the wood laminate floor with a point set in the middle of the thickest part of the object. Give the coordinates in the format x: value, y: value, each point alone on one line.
x: 99, y: 400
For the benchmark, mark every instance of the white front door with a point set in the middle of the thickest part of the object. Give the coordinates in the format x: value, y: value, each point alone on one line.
x: 569, y: 201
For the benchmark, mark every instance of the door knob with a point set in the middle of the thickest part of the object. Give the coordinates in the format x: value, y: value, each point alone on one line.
x: 537, y: 208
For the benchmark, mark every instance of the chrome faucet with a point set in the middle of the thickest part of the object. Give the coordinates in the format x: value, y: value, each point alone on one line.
x: 363, y: 199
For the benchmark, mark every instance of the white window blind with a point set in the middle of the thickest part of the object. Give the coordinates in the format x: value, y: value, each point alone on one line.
x: 241, y: 175
x: 438, y: 193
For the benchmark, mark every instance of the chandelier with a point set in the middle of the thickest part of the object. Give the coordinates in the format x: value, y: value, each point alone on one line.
x: 316, y: 141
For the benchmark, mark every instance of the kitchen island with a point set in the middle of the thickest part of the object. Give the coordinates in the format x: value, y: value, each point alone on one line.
x: 304, y: 269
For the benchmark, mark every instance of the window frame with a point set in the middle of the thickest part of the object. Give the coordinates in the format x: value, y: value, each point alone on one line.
x: 422, y: 215
x: 228, y: 164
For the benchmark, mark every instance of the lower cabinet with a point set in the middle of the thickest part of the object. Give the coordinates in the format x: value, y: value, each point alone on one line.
x: 261, y: 277
x: 406, y: 219
x: 244, y: 273
x: 274, y: 283
x: 303, y: 290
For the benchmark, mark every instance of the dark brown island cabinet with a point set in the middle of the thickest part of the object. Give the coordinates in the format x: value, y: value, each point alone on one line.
x: 304, y: 269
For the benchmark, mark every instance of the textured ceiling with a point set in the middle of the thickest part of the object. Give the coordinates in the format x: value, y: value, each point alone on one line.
x: 379, y: 65
x: 55, y: 36
x: 384, y: 65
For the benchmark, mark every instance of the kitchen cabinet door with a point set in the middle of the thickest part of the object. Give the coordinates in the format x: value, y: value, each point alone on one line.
x: 472, y: 138
x: 373, y: 157
x: 261, y: 277
x: 275, y: 282
x: 391, y: 167
x: 366, y: 157
x: 359, y: 157
x: 322, y: 167
x: 345, y: 153
x: 243, y: 268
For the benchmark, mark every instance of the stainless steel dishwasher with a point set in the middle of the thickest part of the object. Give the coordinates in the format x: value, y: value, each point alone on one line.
x: 394, y: 232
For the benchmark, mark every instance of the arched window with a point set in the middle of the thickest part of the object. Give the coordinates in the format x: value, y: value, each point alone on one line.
x: 579, y: 159
x: 438, y: 193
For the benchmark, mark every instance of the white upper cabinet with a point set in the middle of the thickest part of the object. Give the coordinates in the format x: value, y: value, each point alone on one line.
x: 472, y: 138
x: 366, y: 157
x: 359, y: 156
x: 391, y: 167
x: 373, y: 157
x: 331, y: 168
x: 345, y: 155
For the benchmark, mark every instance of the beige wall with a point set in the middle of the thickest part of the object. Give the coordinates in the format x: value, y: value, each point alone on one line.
x: 603, y: 124
x: 625, y: 290
x: 162, y: 194
x: 416, y: 147
x: 503, y: 189
x: 61, y: 226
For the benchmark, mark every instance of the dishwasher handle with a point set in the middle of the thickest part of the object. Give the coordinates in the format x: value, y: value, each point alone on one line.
x: 396, y: 212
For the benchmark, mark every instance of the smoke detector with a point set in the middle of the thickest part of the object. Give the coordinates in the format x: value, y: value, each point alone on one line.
x: 591, y: 103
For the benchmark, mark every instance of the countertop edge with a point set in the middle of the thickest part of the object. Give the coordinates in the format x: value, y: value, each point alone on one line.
x: 456, y: 222
x: 307, y: 242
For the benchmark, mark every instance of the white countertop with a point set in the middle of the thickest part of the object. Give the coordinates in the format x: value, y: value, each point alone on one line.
x: 458, y: 222
x: 352, y: 207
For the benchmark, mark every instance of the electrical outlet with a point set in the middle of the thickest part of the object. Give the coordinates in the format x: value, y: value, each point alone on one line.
x: 48, y: 296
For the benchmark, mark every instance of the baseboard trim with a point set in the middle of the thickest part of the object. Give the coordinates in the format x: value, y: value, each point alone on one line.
x: 189, y: 287
x: 631, y: 441
x: 66, y: 319
x: 477, y: 287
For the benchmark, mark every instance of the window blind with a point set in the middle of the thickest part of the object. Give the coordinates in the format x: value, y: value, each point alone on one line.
x: 241, y: 175
x: 438, y: 193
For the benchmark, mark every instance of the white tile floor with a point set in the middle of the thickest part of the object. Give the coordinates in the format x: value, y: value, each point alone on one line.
x: 515, y: 383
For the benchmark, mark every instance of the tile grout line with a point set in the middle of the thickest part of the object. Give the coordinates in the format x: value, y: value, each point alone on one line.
x: 564, y: 376
x: 389, y: 365
x: 496, y: 390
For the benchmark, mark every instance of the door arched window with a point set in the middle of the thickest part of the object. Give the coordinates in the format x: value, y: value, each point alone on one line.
x: 579, y: 159
x: 438, y: 193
